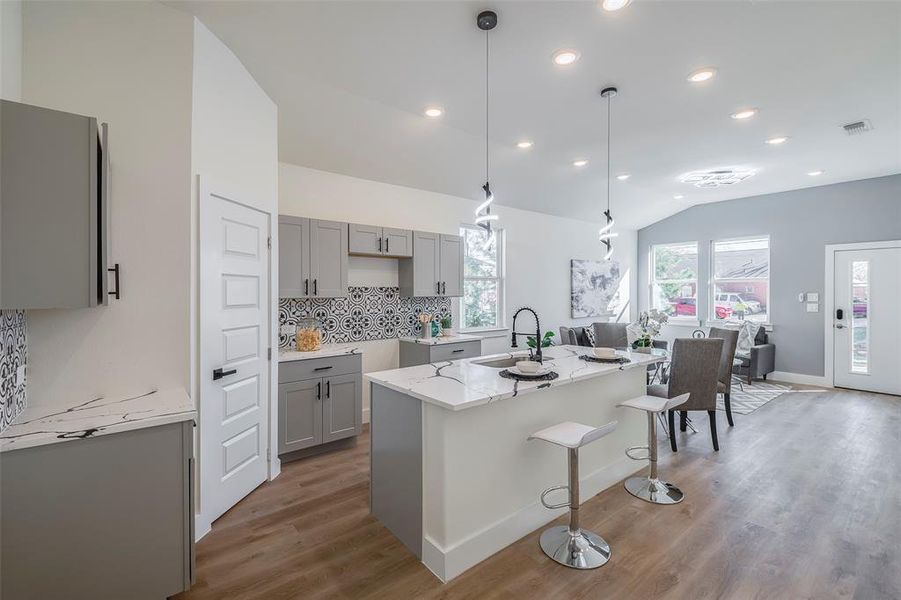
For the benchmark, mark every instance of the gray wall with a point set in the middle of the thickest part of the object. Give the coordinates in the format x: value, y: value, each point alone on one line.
x: 800, y: 223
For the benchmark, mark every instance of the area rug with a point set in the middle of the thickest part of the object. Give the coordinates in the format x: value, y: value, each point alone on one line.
x: 746, y: 401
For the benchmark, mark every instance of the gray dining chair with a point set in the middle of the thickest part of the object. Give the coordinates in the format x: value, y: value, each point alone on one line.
x: 610, y: 335
x: 574, y: 336
x: 694, y: 368
x: 724, y: 378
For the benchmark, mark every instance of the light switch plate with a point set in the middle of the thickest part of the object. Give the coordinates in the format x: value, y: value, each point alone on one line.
x: 20, y: 375
x: 813, y: 297
x: 813, y: 307
x: 288, y: 330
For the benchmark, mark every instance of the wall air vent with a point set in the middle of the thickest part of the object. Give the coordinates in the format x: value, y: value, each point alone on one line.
x: 715, y: 179
x: 858, y: 127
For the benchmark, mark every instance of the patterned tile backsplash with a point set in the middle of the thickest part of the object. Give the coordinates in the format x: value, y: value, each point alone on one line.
x: 367, y: 313
x: 13, y: 354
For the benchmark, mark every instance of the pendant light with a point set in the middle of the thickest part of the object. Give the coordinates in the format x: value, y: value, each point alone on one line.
x: 486, y: 21
x: 606, y: 233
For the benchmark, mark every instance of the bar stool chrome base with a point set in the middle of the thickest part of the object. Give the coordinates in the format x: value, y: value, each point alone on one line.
x: 654, y: 490
x: 585, y: 550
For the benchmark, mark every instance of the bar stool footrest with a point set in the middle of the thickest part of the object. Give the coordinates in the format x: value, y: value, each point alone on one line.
x: 632, y: 449
x: 554, y: 489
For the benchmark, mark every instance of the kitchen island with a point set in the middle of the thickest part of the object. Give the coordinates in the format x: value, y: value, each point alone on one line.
x: 453, y: 475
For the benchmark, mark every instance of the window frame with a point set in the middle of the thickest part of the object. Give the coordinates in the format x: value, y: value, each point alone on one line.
x: 500, y: 278
x: 652, y: 280
x: 712, y: 282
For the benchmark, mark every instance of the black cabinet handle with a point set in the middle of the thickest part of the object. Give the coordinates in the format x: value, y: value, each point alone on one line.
x: 306, y: 287
x: 319, y: 390
x: 328, y: 388
x: 444, y: 287
x: 115, y: 272
x: 459, y: 350
x: 315, y: 287
x: 219, y: 373
x: 386, y: 245
x: 439, y: 287
x: 323, y: 368
x: 380, y: 244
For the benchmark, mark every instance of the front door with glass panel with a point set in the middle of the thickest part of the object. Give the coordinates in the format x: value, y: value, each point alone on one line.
x: 867, y: 320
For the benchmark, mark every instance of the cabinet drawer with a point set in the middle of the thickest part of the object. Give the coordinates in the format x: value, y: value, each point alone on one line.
x: 456, y: 351
x: 298, y: 370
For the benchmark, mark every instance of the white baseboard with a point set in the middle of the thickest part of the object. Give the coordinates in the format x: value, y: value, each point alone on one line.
x: 366, y: 412
x: 787, y: 377
x: 447, y: 563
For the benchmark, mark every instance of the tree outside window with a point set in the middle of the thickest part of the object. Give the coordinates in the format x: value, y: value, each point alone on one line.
x: 482, y: 301
x: 674, y: 281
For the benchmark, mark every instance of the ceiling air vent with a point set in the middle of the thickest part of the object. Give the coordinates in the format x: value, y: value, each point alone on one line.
x: 858, y: 127
x: 715, y: 179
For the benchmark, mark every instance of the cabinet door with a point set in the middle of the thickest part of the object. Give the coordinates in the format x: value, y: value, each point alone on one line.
x: 425, y: 264
x: 299, y: 415
x: 366, y: 240
x: 398, y: 242
x: 293, y: 257
x: 328, y: 259
x: 451, y: 270
x: 342, y: 407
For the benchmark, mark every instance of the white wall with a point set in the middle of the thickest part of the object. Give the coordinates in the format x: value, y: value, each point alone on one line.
x: 11, y: 49
x: 538, y: 246
x: 129, y: 64
x: 234, y: 137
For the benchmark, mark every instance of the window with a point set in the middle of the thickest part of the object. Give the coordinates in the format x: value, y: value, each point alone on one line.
x: 674, y: 279
x: 741, y: 279
x: 483, y: 278
x: 860, y: 326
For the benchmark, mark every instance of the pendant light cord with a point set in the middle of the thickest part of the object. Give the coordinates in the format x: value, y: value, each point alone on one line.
x: 487, y: 32
x: 608, y: 154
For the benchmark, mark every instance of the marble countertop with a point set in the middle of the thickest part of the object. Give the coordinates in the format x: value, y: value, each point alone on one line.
x: 324, y: 351
x: 42, y: 425
x: 462, y: 384
x: 438, y: 341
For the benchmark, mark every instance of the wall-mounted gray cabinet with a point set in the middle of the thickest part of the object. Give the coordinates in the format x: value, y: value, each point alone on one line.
x: 371, y: 240
x: 312, y: 258
x: 436, y: 268
x: 319, y: 401
x: 54, y: 197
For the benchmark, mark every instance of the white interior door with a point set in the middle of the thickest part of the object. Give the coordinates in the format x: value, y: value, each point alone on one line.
x: 866, y: 321
x: 234, y: 363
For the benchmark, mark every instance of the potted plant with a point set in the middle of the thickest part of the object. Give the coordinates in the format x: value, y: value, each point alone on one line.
x: 546, y: 341
x: 643, y: 331
x: 446, y: 324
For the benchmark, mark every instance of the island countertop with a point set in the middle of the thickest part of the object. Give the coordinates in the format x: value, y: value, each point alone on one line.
x: 461, y: 384
x: 41, y: 425
x: 442, y: 339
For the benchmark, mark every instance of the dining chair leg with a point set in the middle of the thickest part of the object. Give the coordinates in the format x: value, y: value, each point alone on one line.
x: 728, y: 402
x: 672, y: 430
x: 683, y: 418
x: 712, y: 415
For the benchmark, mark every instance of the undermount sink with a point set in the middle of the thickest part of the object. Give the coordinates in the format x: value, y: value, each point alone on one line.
x: 503, y: 363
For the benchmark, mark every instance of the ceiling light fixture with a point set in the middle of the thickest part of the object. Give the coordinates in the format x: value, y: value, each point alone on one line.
x: 715, y: 179
x: 701, y: 75
x: 433, y: 112
x: 524, y: 144
x: 775, y: 141
x: 611, y: 5
x: 580, y: 163
x: 565, y: 57
x: 606, y: 233
x: 486, y: 21
x: 816, y: 173
x: 623, y: 177
x: 745, y: 113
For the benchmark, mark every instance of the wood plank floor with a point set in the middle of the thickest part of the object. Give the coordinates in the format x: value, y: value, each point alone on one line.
x: 802, y: 501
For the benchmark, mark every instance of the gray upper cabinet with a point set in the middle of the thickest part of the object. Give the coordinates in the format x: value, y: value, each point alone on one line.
x: 451, y: 265
x: 328, y: 258
x: 53, y: 212
x: 370, y: 240
x: 312, y: 258
x: 418, y: 276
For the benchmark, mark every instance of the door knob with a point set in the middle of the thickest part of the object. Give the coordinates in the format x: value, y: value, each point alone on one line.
x: 219, y: 373
x: 839, y: 326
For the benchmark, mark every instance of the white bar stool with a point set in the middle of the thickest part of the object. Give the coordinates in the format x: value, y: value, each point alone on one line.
x: 571, y: 545
x: 650, y: 488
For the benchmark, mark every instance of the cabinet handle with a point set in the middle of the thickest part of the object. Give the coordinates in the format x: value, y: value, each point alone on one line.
x: 323, y: 368
x: 319, y: 390
x: 386, y: 245
x: 115, y: 272
x: 438, y: 291
x: 306, y: 287
x: 380, y: 244
x: 459, y: 350
x: 328, y: 388
x: 315, y: 287
x: 444, y: 287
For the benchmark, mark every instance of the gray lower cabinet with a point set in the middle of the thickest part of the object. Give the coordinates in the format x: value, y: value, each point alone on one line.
x: 436, y: 268
x: 104, y: 517
x: 319, y: 401
x: 413, y: 353
x: 312, y: 257
x: 53, y: 214
x: 371, y: 240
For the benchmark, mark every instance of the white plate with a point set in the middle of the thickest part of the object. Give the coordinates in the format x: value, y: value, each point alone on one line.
x: 540, y: 372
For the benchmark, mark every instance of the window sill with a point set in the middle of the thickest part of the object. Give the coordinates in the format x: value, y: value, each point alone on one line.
x: 487, y: 332
x: 684, y: 322
x: 716, y: 322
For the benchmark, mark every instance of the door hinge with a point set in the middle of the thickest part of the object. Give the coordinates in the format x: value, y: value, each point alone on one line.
x: 269, y: 243
x: 269, y: 354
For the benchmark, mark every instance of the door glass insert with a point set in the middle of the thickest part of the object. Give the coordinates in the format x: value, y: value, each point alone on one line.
x: 860, y: 323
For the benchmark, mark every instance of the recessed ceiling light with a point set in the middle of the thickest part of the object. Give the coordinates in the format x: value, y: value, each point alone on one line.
x: 745, y: 113
x: 565, y: 57
x: 815, y: 173
x: 775, y: 141
x: 433, y: 112
x: 623, y: 177
x: 703, y: 74
x: 524, y: 144
x: 678, y: 197
x: 615, y: 4
x: 580, y: 163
